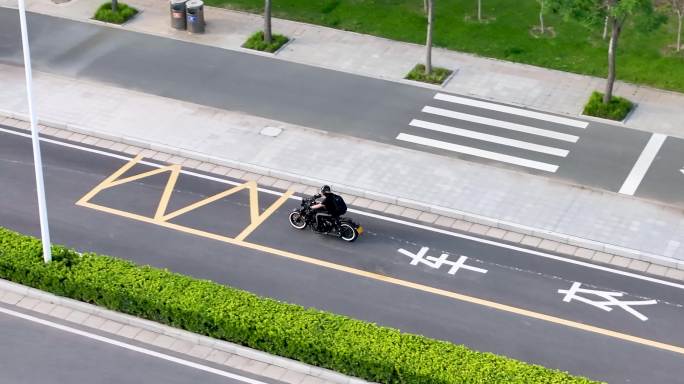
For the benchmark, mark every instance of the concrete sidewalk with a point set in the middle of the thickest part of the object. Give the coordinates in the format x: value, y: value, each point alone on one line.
x: 511, y: 83
x: 515, y: 206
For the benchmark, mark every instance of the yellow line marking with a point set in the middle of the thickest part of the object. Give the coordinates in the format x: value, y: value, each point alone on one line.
x: 256, y: 223
x: 168, y: 190
x: 252, y: 189
x: 110, y: 179
x: 370, y: 275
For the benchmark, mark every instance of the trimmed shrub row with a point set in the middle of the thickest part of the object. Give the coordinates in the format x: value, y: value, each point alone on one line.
x: 616, y: 109
x: 123, y: 13
x: 323, y: 339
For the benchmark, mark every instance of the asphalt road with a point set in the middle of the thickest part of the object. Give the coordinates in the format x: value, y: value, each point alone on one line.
x: 33, y: 353
x: 515, y: 281
x: 600, y: 155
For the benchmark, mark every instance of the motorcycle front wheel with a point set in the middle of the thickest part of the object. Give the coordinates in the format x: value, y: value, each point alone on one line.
x: 348, y: 233
x: 297, y: 220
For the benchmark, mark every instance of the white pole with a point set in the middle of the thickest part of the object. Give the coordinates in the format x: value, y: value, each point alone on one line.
x: 37, y: 161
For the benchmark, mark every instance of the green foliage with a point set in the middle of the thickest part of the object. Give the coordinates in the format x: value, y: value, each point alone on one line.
x: 437, y: 76
x: 617, y: 109
x: 336, y: 342
x: 574, y: 47
x: 123, y: 13
x: 256, y: 41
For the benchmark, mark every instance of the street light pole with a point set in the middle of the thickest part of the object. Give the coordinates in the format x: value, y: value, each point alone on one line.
x: 37, y: 161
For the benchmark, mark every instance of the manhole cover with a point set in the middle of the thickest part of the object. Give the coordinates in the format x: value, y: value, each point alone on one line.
x: 271, y: 131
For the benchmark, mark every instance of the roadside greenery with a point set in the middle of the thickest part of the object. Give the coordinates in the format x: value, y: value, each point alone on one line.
x: 122, y: 14
x: 617, y: 109
x: 256, y: 41
x: 327, y: 340
x: 436, y: 76
x: 643, y: 57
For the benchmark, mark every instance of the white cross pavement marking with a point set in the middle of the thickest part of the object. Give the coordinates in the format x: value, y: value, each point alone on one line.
x: 490, y: 138
x: 642, y: 164
x: 501, y: 124
x: 511, y: 110
x: 477, y: 152
x: 609, y: 300
x: 436, y: 262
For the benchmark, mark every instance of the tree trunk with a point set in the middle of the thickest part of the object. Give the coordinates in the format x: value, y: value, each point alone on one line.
x: 605, y: 28
x: 267, y: 22
x: 679, y: 30
x: 428, y: 42
x: 479, y: 10
x: 541, y: 18
x: 115, y: 6
x: 615, y: 26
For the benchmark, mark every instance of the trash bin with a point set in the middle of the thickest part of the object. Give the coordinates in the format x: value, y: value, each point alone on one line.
x: 195, y: 16
x: 178, y: 14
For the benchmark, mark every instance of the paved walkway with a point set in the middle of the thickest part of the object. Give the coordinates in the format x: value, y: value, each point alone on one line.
x: 534, y: 87
x: 479, y: 193
x: 161, y: 338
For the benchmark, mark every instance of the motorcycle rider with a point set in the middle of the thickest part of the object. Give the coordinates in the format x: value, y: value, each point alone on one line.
x: 325, y: 207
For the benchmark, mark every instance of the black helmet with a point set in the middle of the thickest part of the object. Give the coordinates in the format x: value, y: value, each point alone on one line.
x: 325, y: 189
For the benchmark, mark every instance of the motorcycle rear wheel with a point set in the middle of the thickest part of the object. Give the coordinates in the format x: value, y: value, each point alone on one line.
x: 348, y: 232
x: 297, y: 220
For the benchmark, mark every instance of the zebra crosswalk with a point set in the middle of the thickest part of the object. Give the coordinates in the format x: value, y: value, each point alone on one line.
x: 507, y: 134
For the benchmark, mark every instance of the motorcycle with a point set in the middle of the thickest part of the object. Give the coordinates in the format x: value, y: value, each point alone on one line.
x: 342, y: 227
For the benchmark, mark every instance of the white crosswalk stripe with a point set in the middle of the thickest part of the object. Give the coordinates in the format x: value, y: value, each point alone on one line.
x: 490, y: 138
x: 461, y: 127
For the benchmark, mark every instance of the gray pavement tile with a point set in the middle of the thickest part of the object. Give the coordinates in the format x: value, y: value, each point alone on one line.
x: 221, y: 170
x: 104, y: 143
x: 77, y: 317
x: 22, y: 124
x: 235, y: 173
x: 146, y: 336
x: 428, y: 217
x: 132, y: 150
x: 496, y: 233
x: 513, y: 237
x: 445, y: 221
x: 111, y: 326
x: 266, y: 181
x: 254, y: 366
x: 44, y: 307
x: 161, y: 156
x: 182, y: 346
x: 479, y: 229
x: 312, y: 380
x: 90, y: 140
x: 249, y: 176
x: 674, y: 273
x: 411, y: 213
x: 274, y: 372
x: 585, y: 253
x: 218, y: 356
x: 191, y: 163
x: 362, y: 202
x: 27, y: 302
x: 378, y: 206
x: 60, y: 312
x: 462, y: 225
x: 299, y: 188
x: 566, y: 249
x: 163, y: 341
x: 200, y: 351
x: 639, y: 265
x: 549, y: 245
x: 310, y: 191
x: 657, y: 270
x: 129, y: 331
x: 282, y: 184
x: 119, y: 147
x: 602, y: 257
x: 75, y: 136
x: 63, y: 134
x: 206, y: 167
x: 176, y: 160
x: 620, y: 261
x: 531, y: 241
x: 236, y: 361
x: 48, y: 131
x: 394, y: 210
x: 148, y: 153
x: 94, y: 321
x: 293, y: 377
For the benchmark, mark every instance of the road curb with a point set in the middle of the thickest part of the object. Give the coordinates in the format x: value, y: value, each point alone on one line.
x: 180, y: 334
x: 421, y: 207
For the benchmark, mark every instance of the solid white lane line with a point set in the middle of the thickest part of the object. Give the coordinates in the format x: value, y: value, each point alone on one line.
x: 642, y: 164
x: 477, y: 152
x: 512, y: 110
x: 501, y: 124
x: 397, y: 221
x: 489, y: 138
x: 131, y: 347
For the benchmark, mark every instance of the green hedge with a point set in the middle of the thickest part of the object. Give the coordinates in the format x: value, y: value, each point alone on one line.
x: 617, y: 109
x: 122, y: 14
x: 327, y: 340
